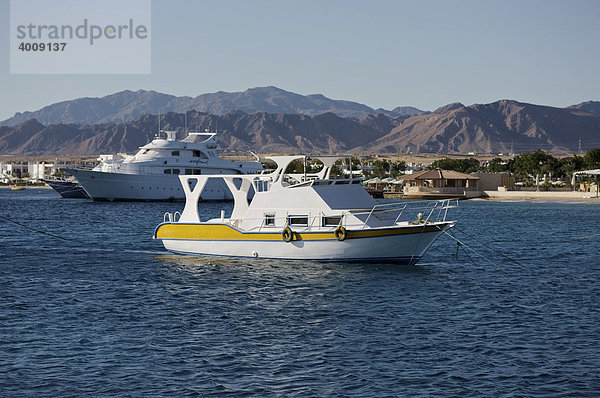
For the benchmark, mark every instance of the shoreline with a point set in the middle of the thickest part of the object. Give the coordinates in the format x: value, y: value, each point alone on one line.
x: 545, y: 196
x: 492, y: 196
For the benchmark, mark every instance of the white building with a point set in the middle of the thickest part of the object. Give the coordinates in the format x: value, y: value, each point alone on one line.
x: 30, y: 171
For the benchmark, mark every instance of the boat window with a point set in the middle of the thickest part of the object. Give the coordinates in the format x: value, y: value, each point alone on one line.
x: 199, y: 154
x: 175, y: 171
x: 167, y: 171
x: 145, y: 151
x: 188, y: 171
x: 175, y: 153
x: 197, y: 171
x: 261, y: 185
x: 298, y: 220
x: 331, y: 220
x: 269, y: 220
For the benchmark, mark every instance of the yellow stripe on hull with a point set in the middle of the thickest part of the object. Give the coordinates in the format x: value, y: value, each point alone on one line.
x: 227, y: 232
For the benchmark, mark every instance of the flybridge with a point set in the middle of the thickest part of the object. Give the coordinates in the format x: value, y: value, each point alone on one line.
x: 83, y: 31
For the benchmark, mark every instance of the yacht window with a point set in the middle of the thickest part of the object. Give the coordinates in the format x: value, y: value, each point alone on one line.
x: 188, y: 171
x: 145, y: 151
x: 331, y: 220
x: 175, y: 171
x: 167, y: 171
x: 269, y: 220
x: 199, y: 154
x: 298, y: 220
x: 197, y: 171
x: 175, y: 153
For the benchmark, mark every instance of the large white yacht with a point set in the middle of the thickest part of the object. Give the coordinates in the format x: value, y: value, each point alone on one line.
x: 310, y: 217
x: 152, y: 173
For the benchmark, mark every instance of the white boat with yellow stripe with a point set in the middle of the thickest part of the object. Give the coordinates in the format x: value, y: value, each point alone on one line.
x: 304, y: 217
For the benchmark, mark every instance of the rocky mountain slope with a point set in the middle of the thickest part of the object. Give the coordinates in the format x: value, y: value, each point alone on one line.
x: 500, y: 127
x: 127, y: 105
x: 262, y: 132
x: 588, y: 106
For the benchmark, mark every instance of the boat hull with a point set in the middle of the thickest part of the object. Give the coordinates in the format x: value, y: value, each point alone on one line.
x: 67, y: 189
x: 103, y: 186
x: 402, y: 245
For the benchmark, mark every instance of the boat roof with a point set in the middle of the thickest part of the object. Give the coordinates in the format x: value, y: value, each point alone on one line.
x: 188, y: 142
x: 438, y: 174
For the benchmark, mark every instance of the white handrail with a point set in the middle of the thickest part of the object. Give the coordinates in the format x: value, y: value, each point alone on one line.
x: 429, y: 209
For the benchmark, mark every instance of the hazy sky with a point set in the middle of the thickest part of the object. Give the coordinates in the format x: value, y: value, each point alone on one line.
x: 381, y: 53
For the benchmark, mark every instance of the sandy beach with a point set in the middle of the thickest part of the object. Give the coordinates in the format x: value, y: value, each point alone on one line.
x: 588, y: 197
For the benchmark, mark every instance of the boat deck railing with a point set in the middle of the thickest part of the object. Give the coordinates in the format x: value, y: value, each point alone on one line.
x: 426, y: 210
x: 385, y: 215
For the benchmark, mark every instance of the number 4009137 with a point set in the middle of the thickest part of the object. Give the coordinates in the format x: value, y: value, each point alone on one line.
x: 42, y: 46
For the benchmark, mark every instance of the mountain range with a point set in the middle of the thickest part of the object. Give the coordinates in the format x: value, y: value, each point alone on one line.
x: 503, y: 126
x: 127, y: 105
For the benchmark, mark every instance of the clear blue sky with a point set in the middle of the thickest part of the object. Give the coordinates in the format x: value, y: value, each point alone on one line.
x: 381, y: 53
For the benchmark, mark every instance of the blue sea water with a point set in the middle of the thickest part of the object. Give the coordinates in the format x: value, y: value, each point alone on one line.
x: 105, y: 311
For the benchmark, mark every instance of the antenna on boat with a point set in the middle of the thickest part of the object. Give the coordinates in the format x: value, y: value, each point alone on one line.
x: 185, y: 119
x: 304, y: 168
x: 159, y: 122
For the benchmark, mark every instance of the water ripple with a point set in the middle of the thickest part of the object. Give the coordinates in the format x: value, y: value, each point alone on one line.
x: 108, y: 312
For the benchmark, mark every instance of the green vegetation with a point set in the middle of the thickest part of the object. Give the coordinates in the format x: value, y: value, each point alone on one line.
x: 592, y: 159
x: 469, y: 165
x: 524, y: 167
x: 297, y: 166
x: 385, y: 168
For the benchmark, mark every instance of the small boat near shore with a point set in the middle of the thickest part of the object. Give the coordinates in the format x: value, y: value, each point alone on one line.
x: 308, y: 217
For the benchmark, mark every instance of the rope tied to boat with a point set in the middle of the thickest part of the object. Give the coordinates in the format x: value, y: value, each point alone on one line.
x: 463, y: 245
x: 33, y: 229
x: 586, y: 237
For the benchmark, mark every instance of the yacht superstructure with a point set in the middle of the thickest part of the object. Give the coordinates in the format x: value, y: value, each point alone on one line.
x: 151, y: 174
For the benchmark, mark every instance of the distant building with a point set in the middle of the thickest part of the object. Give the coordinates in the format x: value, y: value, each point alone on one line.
x: 434, y: 184
x: 495, y: 181
x: 30, y: 171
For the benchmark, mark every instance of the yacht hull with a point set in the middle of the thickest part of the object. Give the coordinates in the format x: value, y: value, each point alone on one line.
x: 103, y: 186
x: 67, y: 189
x: 402, y: 245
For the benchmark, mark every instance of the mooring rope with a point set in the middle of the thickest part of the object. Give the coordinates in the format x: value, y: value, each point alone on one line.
x: 33, y: 229
x: 490, y: 247
x: 461, y: 243
x: 464, y: 245
x: 585, y: 237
